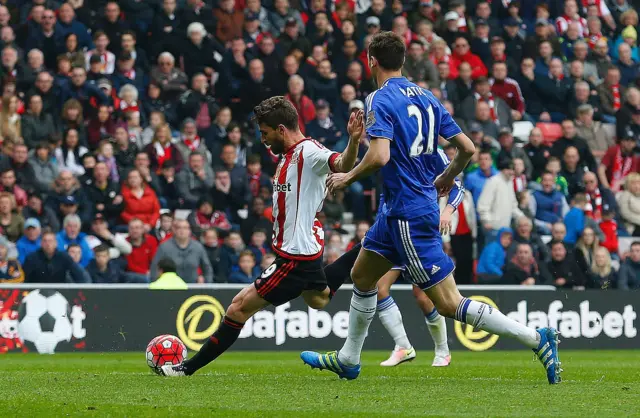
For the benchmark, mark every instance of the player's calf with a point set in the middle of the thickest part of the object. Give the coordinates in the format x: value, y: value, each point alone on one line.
x: 244, y: 305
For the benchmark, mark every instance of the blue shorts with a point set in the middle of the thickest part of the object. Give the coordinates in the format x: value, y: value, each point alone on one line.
x: 414, y: 243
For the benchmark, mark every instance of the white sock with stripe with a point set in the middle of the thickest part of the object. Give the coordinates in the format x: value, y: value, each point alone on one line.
x: 391, y: 318
x: 487, y: 318
x: 361, y: 312
x: 438, y: 329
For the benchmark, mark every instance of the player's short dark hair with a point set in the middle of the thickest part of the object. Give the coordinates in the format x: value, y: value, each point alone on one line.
x: 634, y: 243
x: 389, y: 49
x: 167, y: 265
x: 547, y: 173
x: 276, y: 111
x: 73, y: 245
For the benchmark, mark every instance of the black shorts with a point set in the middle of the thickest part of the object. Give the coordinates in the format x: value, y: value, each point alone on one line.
x: 286, y: 279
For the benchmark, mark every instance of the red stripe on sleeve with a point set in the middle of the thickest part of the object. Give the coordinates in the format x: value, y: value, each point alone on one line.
x: 332, y: 161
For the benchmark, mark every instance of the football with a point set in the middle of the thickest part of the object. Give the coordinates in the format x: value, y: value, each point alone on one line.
x: 165, y: 349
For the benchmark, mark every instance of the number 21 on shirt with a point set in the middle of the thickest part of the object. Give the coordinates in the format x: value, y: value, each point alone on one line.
x: 417, y: 147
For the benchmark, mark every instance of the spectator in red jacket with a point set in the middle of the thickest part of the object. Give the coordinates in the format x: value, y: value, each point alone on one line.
x: 144, y: 247
x: 507, y: 89
x: 462, y: 53
x: 140, y: 201
x: 303, y: 104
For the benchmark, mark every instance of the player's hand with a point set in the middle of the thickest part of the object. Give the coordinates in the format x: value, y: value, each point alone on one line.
x: 445, y: 223
x: 443, y: 185
x: 561, y: 281
x: 355, y: 127
x: 337, y: 181
x: 530, y: 281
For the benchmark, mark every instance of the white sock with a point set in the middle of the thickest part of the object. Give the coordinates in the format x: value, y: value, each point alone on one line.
x: 487, y: 318
x: 361, y: 312
x: 438, y: 329
x: 391, y: 318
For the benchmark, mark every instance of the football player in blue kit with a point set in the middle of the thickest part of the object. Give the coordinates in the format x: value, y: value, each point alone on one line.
x: 404, y: 123
x: 388, y: 312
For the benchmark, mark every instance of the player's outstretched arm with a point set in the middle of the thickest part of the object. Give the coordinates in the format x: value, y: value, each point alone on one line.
x: 376, y: 157
x: 347, y: 159
x: 465, y: 148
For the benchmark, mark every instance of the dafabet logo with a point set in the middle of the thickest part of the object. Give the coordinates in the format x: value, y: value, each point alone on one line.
x: 197, y: 319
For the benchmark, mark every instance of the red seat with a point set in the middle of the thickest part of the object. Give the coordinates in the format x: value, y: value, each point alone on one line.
x: 550, y: 131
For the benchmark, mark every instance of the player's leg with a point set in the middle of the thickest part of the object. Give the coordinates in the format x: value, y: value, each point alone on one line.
x: 371, y: 264
x: 244, y: 305
x: 432, y: 270
x: 369, y: 268
x: 391, y: 319
x: 317, y: 299
x: 340, y: 270
x: 544, y: 341
x: 437, y: 327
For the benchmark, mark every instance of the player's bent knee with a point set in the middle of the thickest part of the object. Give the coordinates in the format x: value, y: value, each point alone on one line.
x: 244, y: 305
x: 447, y: 307
x: 318, y: 303
x: 316, y: 300
x: 383, y: 292
x: 362, y: 282
x: 235, y: 312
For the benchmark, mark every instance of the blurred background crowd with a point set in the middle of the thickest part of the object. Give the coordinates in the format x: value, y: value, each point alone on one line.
x: 126, y: 136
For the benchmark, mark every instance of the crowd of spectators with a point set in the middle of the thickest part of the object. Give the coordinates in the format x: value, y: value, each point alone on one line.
x: 126, y: 136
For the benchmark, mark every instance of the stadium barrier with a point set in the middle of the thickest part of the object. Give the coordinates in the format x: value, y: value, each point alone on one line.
x: 54, y: 318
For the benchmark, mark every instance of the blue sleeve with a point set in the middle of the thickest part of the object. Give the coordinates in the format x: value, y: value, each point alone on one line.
x: 379, y: 123
x: 456, y: 194
x: 448, y: 127
x: 457, y: 191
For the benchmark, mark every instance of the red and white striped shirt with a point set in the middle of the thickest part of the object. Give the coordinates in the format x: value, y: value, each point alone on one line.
x: 299, y: 189
x: 562, y: 24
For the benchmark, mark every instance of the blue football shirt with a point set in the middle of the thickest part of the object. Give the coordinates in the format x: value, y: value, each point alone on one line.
x: 412, y: 119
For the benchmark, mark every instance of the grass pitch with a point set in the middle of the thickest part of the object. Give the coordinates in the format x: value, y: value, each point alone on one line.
x: 596, y: 383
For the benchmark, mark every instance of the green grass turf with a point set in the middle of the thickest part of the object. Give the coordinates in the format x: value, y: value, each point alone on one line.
x: 596, y: 384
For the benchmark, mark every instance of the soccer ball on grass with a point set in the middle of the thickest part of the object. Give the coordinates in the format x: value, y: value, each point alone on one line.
x: 165, y: 349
